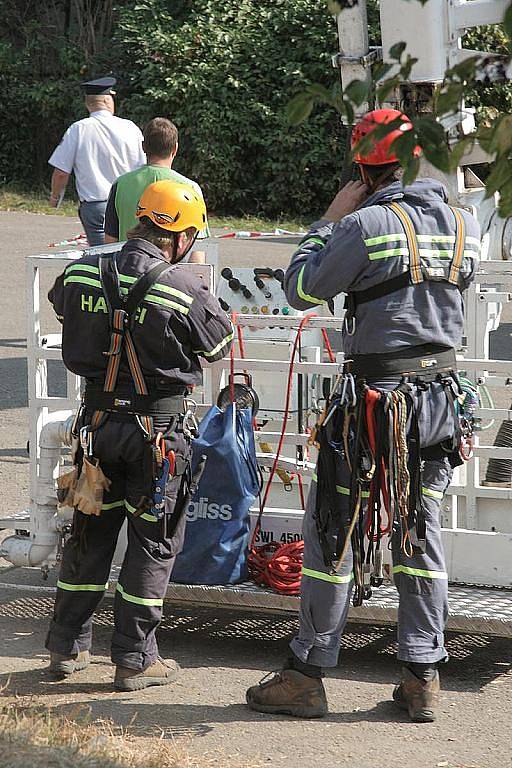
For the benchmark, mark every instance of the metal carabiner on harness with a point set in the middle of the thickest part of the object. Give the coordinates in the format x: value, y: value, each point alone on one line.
x: 190, y: 426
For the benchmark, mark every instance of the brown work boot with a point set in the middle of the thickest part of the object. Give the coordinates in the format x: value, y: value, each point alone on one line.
x: 60, y: 664
x: 159, y: 673
x: 418, y: 697
x: 289, y: 693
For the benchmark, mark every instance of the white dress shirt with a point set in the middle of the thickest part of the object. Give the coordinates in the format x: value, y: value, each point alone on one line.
x: 99, y: 149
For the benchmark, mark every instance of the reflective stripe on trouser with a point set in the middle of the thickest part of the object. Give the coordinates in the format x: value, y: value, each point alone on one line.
x: 147, y: 563
x: 421, y: 581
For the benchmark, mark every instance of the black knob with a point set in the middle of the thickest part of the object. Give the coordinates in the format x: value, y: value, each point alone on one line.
x: 225, y: 306
x: 279, y: 275
x: 227, y: 273
x: 267, y: 294
x: 234, y: 284
x: 259, y: 282
x: 275, y: 311
x: 246, y: 292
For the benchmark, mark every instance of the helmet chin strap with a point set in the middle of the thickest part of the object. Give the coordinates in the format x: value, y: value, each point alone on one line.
x: 175, y: 258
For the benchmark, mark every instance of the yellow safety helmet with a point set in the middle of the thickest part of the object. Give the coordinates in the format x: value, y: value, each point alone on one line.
x: 172, y: 206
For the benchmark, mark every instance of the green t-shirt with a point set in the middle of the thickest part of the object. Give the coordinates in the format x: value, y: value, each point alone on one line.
x: 127, y: 191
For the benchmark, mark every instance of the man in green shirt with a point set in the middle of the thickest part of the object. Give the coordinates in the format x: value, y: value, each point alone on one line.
x: 160, y: 145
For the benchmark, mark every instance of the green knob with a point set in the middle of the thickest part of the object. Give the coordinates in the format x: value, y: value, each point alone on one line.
x: 286, y: 310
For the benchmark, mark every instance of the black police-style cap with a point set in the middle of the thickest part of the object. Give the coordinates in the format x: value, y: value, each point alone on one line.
x: 100, y: 87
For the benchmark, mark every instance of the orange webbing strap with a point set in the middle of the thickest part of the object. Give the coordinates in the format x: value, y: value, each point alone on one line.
x: 458, y: 251
x: 412, y: 242
x: 120, y: 332
x: 114, y: 358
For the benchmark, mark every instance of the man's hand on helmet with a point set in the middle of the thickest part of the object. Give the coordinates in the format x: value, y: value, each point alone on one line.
x: 348, y: 199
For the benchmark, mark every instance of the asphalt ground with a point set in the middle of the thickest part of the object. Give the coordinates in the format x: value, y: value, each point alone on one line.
x: 220, y: 653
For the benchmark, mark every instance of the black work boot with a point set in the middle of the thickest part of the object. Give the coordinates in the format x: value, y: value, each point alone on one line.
x: 289, y: 693
x: 419, y: 695
x: 60, y: 664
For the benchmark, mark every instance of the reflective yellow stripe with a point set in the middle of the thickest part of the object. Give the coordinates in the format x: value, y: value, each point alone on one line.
x: 427, y: 253
x: 332, y: 577
x: 82, y: 268
x: 385, y: 239
x: 387, y: 253
x: 112, y: 505
x: 82, y: 280
x: 152, y: 299
x: 306, y: 296
x: 430, y: 492
x: 400, y: 236
x: 216, y: 349
x: 144, y: 516
x: 151, y: 601
x: 343, y: 488
x: 82, y: 587
x: 420, y: 572
x: 312, y: 239
x: 160, y: 287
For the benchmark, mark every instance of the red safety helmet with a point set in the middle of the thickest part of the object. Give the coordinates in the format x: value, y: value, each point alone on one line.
x: 381, y: 152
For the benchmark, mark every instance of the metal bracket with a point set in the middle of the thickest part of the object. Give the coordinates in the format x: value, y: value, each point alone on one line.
x: 373, y: 55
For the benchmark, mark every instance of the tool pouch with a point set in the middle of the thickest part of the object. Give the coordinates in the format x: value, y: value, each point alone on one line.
x: 91, y: 484
x: 66, y: 487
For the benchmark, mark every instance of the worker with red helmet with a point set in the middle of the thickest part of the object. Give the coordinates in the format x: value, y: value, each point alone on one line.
x: 403, y: 257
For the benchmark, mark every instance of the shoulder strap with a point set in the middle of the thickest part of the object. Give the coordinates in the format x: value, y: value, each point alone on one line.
x: 458, y: 251
x: 143, y: 285
x: 121, y: 314
x: 412, y: 242
x: 109, y: 277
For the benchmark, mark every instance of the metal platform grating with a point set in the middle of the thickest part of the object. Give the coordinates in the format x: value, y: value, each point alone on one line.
x: 472, y: 609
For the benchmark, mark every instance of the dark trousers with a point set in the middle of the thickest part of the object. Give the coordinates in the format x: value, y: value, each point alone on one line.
x: 147, y: 563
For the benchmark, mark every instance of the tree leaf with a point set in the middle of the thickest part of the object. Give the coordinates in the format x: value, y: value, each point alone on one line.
x: 411, y: 170
x: 380, y: 70
x: 429, y: 130
x: 405, y: 69
x: 458, y: 150
x: 387, y: 87
x: 438, y: 156
x: 396, y: 50
x: 299, y: 108
x: 449, y: 99
x: 502, y: 135
x: 507, y: 22
x: 500, y: 174
x: 357, y: 91
x: 320, y: 92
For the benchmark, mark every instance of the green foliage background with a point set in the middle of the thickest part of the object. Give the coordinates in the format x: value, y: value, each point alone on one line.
x: 222, y: 70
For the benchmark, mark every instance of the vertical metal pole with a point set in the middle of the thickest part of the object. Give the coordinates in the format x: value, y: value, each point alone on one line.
x: 37, y: 372
x: 353, y: 43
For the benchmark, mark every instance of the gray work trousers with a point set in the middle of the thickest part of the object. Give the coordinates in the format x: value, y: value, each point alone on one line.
x: 92, y: 216
x: 421, y: 580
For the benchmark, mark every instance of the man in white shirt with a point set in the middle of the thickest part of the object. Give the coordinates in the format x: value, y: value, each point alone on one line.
x: 98, y: 149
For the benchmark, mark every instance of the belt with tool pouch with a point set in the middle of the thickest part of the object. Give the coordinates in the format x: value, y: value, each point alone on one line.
x: 425, y: 361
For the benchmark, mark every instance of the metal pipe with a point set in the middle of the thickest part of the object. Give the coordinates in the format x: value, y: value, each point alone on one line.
x: 44, y: 534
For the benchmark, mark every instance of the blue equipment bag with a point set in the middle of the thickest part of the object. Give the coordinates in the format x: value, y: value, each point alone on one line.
x: 217, y: 532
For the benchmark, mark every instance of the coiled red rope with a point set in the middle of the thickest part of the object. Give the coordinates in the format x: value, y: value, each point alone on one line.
x: 275, y: 565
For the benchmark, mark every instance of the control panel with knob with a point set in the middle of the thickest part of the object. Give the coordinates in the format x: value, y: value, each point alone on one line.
x: 257, y: 291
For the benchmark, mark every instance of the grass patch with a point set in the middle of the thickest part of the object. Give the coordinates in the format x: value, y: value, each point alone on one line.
x: 13, y: 199
x: 42, y: 739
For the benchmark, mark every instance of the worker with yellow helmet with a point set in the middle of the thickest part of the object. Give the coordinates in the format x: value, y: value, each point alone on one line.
x: 135, y: 324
